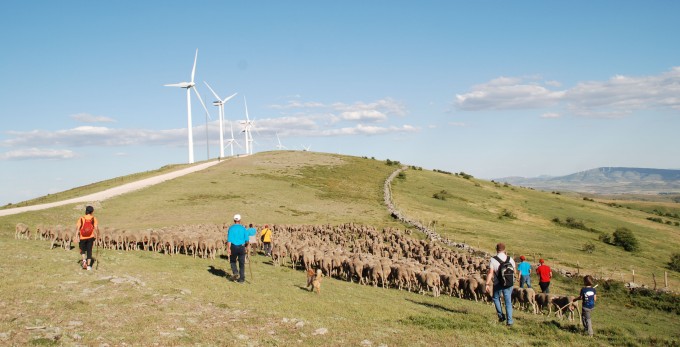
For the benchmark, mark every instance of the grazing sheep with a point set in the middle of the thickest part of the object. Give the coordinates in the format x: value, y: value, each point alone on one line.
x: 565, y: 304
x: 544, y: 300
x: 21, y: 231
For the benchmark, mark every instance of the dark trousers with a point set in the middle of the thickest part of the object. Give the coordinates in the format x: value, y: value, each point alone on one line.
x: 268, y: 248
x: 545, y: 287
x: 238, y: 253
x: 86, y: 247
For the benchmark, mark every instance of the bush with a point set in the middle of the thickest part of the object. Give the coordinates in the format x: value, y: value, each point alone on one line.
x: 606, y: 238
x: 507, y: 214
x: 625, y: 238
x: 442, y: 195
x: 589, y: 247
x: 401, y: 176
x: 674, y: 264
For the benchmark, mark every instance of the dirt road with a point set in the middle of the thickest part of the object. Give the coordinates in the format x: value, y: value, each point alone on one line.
x: 109, y: 193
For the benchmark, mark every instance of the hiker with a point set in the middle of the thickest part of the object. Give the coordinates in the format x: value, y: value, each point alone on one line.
x: 88, y: 229
x: 266, y: 238
x: 237, y: 241
x: 544, y: 275
x: 501, y: 274
x: 252, y: 239
x: 589, y: 296
x: 524, y: 269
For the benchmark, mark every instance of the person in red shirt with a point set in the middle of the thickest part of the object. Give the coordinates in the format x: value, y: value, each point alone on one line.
x: 544, y: 275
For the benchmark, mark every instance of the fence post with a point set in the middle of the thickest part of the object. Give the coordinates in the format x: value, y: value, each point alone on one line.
x: 665, y: 279
x: 654, y: 278
x: 633, y: 275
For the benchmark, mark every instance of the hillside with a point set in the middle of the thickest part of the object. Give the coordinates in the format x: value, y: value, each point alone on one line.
x: 607, y: 180
x: 182, y: 300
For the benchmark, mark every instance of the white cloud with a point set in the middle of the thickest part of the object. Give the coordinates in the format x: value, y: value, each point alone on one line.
x: 551, y: 115
x: 457, y: 124
x: 368, y: 130
x: 89, y: 118
x: 377, y: 111
x: 37, y: 153
x: 617, y: 97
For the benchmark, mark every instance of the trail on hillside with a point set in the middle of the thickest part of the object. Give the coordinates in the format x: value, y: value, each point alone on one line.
x: 115, y: 191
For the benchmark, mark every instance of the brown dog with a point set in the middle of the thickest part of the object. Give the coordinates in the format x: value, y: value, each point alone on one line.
x: 314, y: 280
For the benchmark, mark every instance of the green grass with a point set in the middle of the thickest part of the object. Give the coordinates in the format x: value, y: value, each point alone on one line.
x: 473, y: 218
x: 144, y: 298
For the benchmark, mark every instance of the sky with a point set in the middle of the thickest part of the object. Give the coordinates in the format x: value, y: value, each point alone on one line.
x: 491, y: 88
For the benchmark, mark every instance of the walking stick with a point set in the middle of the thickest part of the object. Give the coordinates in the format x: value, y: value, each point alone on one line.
x: 96, y: 242
x: 250, y: 269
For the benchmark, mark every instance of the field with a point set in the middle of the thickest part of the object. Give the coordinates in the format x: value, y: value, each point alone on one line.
x: 145, y: 298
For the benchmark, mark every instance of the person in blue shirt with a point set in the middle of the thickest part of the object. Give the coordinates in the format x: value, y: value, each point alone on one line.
x: 237, y: 241
x: 589, y: 296
x: 252, y: 231
x: 524, y: 269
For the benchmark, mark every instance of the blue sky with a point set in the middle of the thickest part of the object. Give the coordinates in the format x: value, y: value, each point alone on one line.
x: 492, y: 88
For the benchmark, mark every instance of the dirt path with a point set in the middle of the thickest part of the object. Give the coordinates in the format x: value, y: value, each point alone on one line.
x: 115, y: 191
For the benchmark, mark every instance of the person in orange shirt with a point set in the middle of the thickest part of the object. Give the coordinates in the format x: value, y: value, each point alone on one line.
x: 88, y: 229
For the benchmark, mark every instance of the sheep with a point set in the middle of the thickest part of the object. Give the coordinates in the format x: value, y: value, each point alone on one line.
x: 565, y: 304
x: 544, y: 300
x: 21, y: 231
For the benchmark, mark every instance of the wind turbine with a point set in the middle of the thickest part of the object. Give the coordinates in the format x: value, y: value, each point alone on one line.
x: 220, y: 103
x: 232, y: 140
x: 306, y: 148
x: 280, y: 146
x: 188, y: 86
x: 247, y: 125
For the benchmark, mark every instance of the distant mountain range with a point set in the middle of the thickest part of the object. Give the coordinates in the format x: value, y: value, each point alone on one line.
x: 607, y: 180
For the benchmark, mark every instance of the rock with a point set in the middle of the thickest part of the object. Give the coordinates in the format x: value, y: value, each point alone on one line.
x: 4, y: 336
x: 285, y: 320
x: 75, y: 323
x: 242, y: 337
x: 77, y: 337
x: 366, y: 343
x: 299, y: 324
x: 320, y: 331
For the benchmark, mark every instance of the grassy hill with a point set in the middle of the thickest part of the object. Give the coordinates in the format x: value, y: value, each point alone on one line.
x: 146, y: 298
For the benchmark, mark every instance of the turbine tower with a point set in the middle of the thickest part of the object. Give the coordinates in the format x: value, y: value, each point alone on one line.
x: 247, y: 126
x: 188, y: 86
x: 232, y: 140
x: 220, y: 103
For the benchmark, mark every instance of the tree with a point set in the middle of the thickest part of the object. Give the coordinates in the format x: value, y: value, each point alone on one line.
x: 625, y: 238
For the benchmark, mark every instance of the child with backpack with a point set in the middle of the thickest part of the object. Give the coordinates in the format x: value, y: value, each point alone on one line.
x: 87, y: 227
x: 502, y: 275
x: 589, y: 296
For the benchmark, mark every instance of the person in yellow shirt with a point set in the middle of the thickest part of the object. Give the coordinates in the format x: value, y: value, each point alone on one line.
x: 88, y: 228
x: 266, y: 237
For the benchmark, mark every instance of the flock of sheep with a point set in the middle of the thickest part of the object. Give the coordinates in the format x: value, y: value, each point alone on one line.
x: 387, y: 258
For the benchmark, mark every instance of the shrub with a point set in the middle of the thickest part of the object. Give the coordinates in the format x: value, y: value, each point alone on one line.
x: 507, y: 214
x: 606, y: 238
x: 674, y: 264
x: 442, y: 195
x: 589, y: 247
x: 401, y: 176
x: 465, y: 176
x: 625, y: 238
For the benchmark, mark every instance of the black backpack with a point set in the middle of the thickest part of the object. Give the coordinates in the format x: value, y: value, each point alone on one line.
x: 506, y: 272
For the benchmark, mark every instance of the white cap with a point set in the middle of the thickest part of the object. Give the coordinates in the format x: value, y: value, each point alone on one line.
x: 237, y: 217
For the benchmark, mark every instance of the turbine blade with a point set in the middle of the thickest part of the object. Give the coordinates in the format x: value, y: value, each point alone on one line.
x: 181, y: 85
x: 193, y: 71
x: 215, y: 94
x: 202, y: 104
x: 245, y: 102
x: 229, y: 98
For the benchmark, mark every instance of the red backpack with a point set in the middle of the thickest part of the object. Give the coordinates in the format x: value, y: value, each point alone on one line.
x: 87, y: 228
